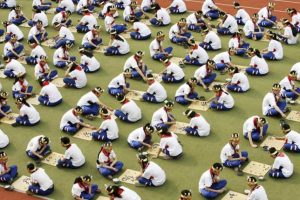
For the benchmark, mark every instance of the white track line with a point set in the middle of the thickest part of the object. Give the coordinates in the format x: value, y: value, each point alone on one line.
x: 285, y: 1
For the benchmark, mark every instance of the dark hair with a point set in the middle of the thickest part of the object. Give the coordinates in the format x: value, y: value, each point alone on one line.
x: 78, y: 180
x: 30, y: 166
x: 65, y: 140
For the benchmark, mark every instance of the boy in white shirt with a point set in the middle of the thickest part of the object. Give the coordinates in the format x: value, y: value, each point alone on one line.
x: 37, y: 33
x: 4, y: 140
x: 136, y: 65
x: 255, y: 129
x: 151, y: 173
x: 290, y: 34
x: 121, y: 192
x: 13, y: 68
x: 239, y: 81
x: 163, y: 117
x: 64, y: 36
x: 156, y: 93
x: 118, y: 45
x: 211, y: 40
x: 256, y: 192
x: 7, y: 173
x: 288, y: 88
x: 258, y: 65
x: 108, y: 130
x: 157, y: 51
x: 146, y: 5
x: 13, y: 48
x: 177, y: 7
x: 172, y: 72
x: 12, y: 29
x: 49, y: 95
x: 28, y: 116
x: 84, y: 189
x: 118, y: 85
x: 36, y: 54
x: 16, y: 16
x: 73, y: 157
x: 228, y: 25
x: 282, y: 167
x: 38, y: 16
x: 75, y: 76
x: 161, y: 17
x: 205, y: 75
x: 291, y: 138
x: 186, y: 94
x: 195, y: 21
x: 266, y: 17
x: 241, y: 15
x: 222, y: 100
x: 210, y: 9
x: 292, y: 12
x: 38, y: 147
x: 65, y: 5
x: 87, y: 22
x: 197, y: 55
x: 43, y: 71
x: 198, y: 126
x: 296, y: 67
x: 7, y: 4
x: 223, y: 60
x: 141, y: 137
x: 178, y: 33
x: 129, y: 112
x: 121, y: 4
x: 92, y: 40
x: 132, y: 13
x: 109, y: 21
x: 140, y: 31
x: 84, y: 4
x: 41, y: 184
x: 41, y: 4
x: 238, y: 43
x: 275, y: 49
x: 62, y: 17
x: 252, y: 30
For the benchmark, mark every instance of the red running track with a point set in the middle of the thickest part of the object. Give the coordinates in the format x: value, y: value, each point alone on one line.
x: 11, y: 195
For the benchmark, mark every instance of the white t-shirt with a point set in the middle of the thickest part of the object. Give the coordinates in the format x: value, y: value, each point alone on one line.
x: 31, y: 112
x: 105, y: 7
x: 180, y: 4
x: 17, y: 87
x: 199, y: 54
x: 102, y: 158
x: 174, y: 30
x: 76, y: 190
x: 57, y: 18
x: 201, y: 124
x: 163, y: 15
x: 175, y: 70
x: 133, y: 111
x: 296, y: 67
x: 158, y: 91
x: 249, y: 27
x: 4, y: 140
x: 111, y: 126
x: 13, y: 29
x: 201, y: 72
x: 128, y: 194
x: 38, y: 70
x: 230, y: 23
x: 241, y: 80
x: 183, y: 90
x: 223, y: 57
x: 249, y: 125
x: 52, y: 92
x: 213, y: 39
x: 34, y: 31
x: 67, y: 118
x: 147, y: 3
x: 171, y: 144
x: 260, y: 64
x: 34, y: 144
x: 37, y: 52
x: 90, y: 20
x: 40, y: 177
x: 288, y: 32
x: 154, y: 47
x: 109, y: 22
x: 9, y: 46
x: 282, y: 161
x: 191, y: 19
x: 242, y: 14
x: 276, y: 47
x: 81, y: 4
x: 16, y: 66
x: 117, y: 82
x: 227, y: 151
x: 87, y: 37
x: 206, y: 180
x: 75, y: 154
x: 296, y: 19
x: 41, y: 17
x: 159, y: 116
x: 293, y: 137
x: 80, y: 77
x: 142, y: 28
x: 131, y: 62
x: 286, y: 84
x: 127, y: 12
x: 263, y: 14
x: 258, y: 193
x: 207, y: 5
x: 65, y: 33
x: 123, y: 46
x: 68, y: 5
x: 226, y: 99
x: 92, y: 63
x: 137, y: 135
x: 154, y: 172
x: 10, y: 3
x: 90, y: 96
x: 268, y: 102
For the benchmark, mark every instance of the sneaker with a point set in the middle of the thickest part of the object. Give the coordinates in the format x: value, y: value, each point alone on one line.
x: 9, y: 187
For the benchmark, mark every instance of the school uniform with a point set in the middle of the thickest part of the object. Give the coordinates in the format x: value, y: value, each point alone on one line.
x: 40, y: 72
x: 29, y: 116
x: 137, y: 136
x: 296, y: 67
x: 185, y: 90
x: 77, y: 78
x: 132, y: 64
x: 9, y: 176
x: 109, y: 131
x: 16, y: 18
x: 239, y: 83
x: 14, y: 68
x: 250, y: 28
x: 41, y: 183
x: 117, y: 84
x: 222, y: 60
x: 69, y: 121
x: 89, y: 64
x: 192, y: 22
x: 73, y: 158
x: 127, y: 194
x: 64, y: 36
x: 229, y: 151
x: 292, y: 142
x: 240, y: 47
x: 208, y: 9
x: 275, y: 51
x: 178, y: 7
x: 160, y: 117
x: 89, y: 38
x: 268, y: 103
x: 61, y: 19
x: 286, y: 88
x: 258, y: 66
x: 173, y: 74
x: 206, y: 75
x: 109, y: 22
x: 170, y: 146
x: 107, y: 158
x: 4, y: 140
x: 104, y: 11
x: 65, y: 5
x: 296, y: 21
x: 43, y: 6
x: 153, y: 175
x: 141, y: 31
x: 13, y: 29
x: 39, y: 34
x: 4, y: 107
x: 129, y: 11
x: 162, y: 18
x: 258, y: 193
x: 121, y: 4
x: 20, y: 87
x: 61, y: 56
x: 79, y: 190
x: 250, y: 125
x: 34, y: 146
x: 50, y: 95
x: 6, y: 4
x: 39, y: 17
x: 197, y: 56
x: 176, y: 30
x: 223, y: 102
x: 156, y: 93
x: 17, y: 47
x: 36, y: 53
x: 242, y: 16
x: 89, y: 103
x: 155, y: 50
x: 207, y: 179
x: 229, y: 26
x: 118, y: 47
x: 198, y: 126
x: 84, y: 3
x: 211, y: 41
x: 282, y: 167
x: 146, y: 5
x: 293, y: 38
x: 129, y: 112
x: 87, y: 23
x: 264, y: 14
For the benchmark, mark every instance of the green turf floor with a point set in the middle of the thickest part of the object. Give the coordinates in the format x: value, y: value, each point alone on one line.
x: 199, y: 153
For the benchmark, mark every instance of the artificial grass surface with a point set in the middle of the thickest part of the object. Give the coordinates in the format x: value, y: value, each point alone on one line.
x: 199, y: 153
